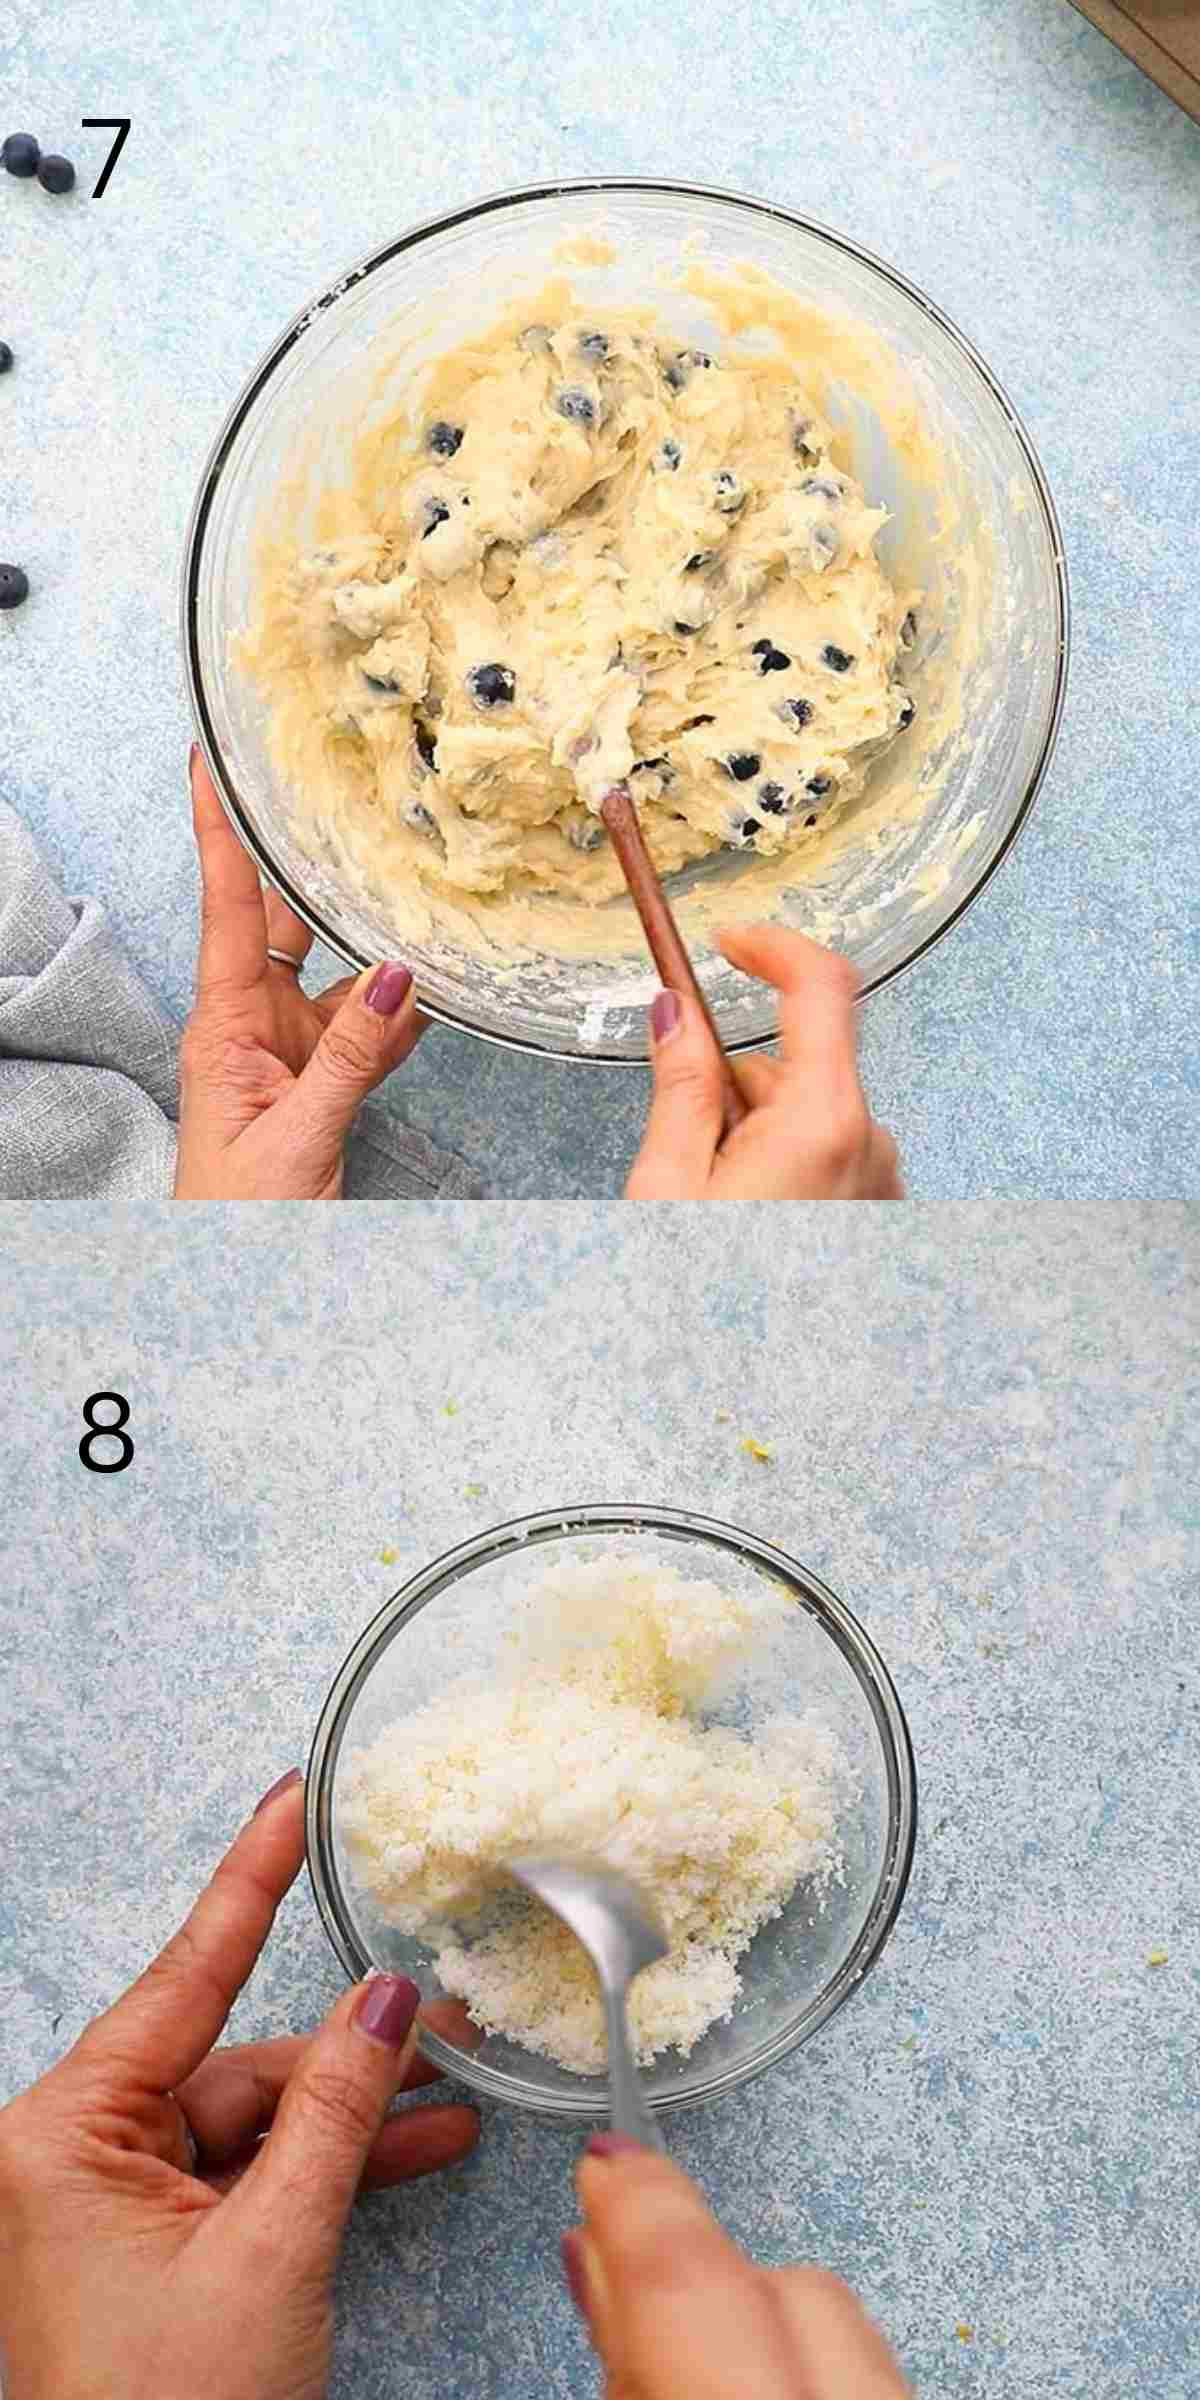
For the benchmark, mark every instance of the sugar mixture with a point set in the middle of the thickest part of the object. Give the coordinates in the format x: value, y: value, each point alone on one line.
x: 594, y: 1734
x: 582, y: 555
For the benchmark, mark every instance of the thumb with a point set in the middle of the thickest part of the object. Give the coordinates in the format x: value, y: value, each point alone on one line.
x: 686, y: 1114
x: 372, y: 1030
x: 304, y: 2179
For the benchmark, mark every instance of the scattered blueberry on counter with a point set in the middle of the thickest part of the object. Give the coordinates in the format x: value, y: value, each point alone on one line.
x: 444, y: 439
x: 56, y: 174
x: 491, y: 686
x: 6, y: 358
x: 14, y: 586
x: 20, y: 154
x: 838, y: 661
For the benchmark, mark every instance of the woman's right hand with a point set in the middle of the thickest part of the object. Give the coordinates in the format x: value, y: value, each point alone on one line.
x: 677, y: 2312
x: 808, y: 1133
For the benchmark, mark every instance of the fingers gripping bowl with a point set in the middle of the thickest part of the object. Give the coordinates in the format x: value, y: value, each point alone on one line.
x: 462, y: 1616
x: 914, y: 417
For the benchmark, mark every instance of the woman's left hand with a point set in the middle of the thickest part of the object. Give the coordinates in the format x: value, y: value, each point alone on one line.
x: 271, y: 1080
x: 153, y: 2245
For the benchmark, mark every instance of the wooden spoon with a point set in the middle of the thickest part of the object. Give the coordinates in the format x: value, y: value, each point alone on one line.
x: 662, y: 933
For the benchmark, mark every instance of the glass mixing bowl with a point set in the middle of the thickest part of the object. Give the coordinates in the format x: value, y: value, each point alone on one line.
x: 804, y: 1964
x: 987, y: 672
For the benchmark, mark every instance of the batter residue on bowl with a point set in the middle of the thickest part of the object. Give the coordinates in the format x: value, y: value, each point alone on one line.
x: 588, y: 555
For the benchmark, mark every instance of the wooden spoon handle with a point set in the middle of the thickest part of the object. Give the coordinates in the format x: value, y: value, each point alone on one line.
x: 662, y: 933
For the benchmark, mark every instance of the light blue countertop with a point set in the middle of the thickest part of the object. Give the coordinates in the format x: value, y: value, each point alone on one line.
x: 1000, y: 152
x: 984, y: 1438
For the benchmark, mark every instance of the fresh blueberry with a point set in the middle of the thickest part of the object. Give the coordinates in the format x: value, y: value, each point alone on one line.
x: 670, y: 454
x: 426, y: 742
x: 20, y: 154
x: 819, y: 487
x: 729, y: 492
x: 491, y: 686
x: 680, y: 369
x: 593, y: 345
x: 436, y: 513
x: 584, y: 833
x: 770, y: 660
x: 6, y: 358
x: 444, y: 439
x: 818, y: 785
x: 908, y: 631
x: 14, y: 586
x: 772, y: 798
x: 698, y: 559
x: 907, y: 713
x: 796, y: 712
x: 56, y: 174
x: 742, y: 765
x: 748, y: 828
x: 577, y: 407
x: 838, y: 661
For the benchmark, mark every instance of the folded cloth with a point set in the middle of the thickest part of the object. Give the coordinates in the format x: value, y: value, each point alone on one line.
x: 89, y: 1064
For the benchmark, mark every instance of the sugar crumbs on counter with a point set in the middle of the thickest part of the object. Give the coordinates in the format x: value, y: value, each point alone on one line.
x: 590, y: 1734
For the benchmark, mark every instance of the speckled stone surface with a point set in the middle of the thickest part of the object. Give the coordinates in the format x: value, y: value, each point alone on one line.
x: 984, y: 1437
x: 1000, y: 152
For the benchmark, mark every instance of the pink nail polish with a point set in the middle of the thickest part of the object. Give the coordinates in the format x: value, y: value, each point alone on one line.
x: 386, y: 2009
x: 573, y: 2269
x: 389, y: 988
x: 665, y: 1016
x: 607, y: 2145
x: 283, y: 1785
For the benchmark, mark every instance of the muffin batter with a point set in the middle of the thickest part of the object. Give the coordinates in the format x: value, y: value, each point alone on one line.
x: 590, y: 556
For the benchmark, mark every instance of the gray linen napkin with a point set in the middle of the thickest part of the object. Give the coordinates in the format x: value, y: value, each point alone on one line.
x: 89, y: 1064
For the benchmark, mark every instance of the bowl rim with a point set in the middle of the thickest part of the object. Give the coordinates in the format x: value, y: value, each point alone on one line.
x: 458, y: 1019
x: 684, y: 1525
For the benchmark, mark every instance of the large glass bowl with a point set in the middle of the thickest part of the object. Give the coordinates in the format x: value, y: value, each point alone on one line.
x: 802, y: 1966
x: 944, y: 803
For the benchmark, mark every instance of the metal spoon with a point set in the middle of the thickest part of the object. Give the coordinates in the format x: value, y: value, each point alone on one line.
x: 621, y: 1932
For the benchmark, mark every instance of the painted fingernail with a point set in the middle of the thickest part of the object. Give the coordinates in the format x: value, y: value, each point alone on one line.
x: 389, y: 988
x: 284, y: 1785
x: 386, y: 2009
x: 665, y: 1016
x: 193, y: 755
x: 573, y: 2269
x: 606, y: 2145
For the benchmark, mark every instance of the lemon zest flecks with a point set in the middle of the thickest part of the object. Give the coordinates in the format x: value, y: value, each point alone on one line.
x: 758, y: 1450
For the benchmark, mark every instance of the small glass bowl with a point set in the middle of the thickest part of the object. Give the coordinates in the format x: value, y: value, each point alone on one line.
x: 800, y: 1967
x: 987, y: 669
